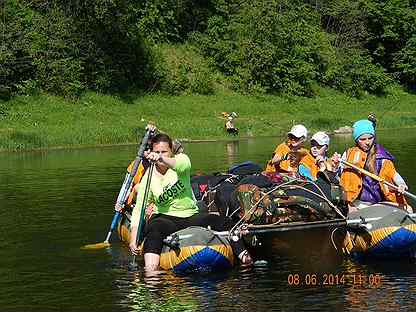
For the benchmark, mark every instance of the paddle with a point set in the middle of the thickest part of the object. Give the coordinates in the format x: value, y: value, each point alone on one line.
x: 124, y: 191
x: 262, y: 229
x: 377, y: 178
x: 140, y: 227
x: 363, y: 222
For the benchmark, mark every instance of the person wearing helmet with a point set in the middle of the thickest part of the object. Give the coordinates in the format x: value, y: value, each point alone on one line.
x: 316, y: 160
x: 287, y: 155
x: 373, y: 157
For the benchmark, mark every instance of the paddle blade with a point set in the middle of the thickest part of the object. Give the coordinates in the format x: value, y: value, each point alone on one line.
x: 96, y: 246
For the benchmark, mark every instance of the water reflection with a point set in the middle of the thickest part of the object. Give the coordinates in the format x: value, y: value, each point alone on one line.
x: 54, y: 202
x: 266, y: 287
x: 165, y: 291
x: 221, y: 291
x: 231, y: 150
x: 394, y: 291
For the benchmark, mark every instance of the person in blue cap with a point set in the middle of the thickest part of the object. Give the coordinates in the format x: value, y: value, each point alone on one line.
x: 373, y: 157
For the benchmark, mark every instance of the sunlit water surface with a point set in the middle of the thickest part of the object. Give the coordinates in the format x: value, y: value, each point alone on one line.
x: 52, y: 203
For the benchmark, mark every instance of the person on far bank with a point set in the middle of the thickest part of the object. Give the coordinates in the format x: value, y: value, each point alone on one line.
x: 230, y: 127
x: 317, y: 159
x: 174, y: 203
x: 373, y: 157
x: 286, y: 156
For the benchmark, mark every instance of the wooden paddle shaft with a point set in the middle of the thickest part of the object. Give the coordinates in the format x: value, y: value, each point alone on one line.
x: 377, y: 178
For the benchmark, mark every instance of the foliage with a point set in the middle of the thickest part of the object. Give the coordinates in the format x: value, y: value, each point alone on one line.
x: 162, y: 21
x: 288, y: 47
x: 180, y: 69
x: 66, y: 48
x: 259, y: 46
x: 344, y: 22
x: 405, y: 64
x: 268, y: 47
x: 355, y: 74
x: 390, y: 24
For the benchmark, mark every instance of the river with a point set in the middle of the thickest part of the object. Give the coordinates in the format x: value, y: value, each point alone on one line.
x: 54, y: 202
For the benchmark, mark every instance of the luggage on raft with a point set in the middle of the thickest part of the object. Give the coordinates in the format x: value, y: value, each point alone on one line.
x: 381, y: 231
x: 255, y: 199
x: 205, y: 186
x: 276, y: 212
x: 194, y: 249
x: 245, y: 168
x: 258, y: 206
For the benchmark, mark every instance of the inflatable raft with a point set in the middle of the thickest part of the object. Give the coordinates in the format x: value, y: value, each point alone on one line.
x: 194, y: 249
x: 381, y: 231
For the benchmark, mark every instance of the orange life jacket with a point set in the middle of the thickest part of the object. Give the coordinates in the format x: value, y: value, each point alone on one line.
x: 352, y: 180
x: 310, y: 162
x: 137, y: 178
x: 284, y: 165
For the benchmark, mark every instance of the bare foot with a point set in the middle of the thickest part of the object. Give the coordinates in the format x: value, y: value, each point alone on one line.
x: 352, y: 209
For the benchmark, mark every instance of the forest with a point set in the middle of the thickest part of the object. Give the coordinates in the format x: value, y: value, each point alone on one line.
x: 179, y: 47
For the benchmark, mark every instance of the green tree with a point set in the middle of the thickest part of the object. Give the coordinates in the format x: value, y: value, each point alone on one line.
x: 65, y: 47
x: 268, y: 46
x: 405, y: 64
x: 390, y: 24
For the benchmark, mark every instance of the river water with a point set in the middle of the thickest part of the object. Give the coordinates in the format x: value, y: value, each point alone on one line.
x: 52, y: 203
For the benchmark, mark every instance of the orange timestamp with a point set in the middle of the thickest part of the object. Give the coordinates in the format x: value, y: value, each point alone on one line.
x: 331, y: 279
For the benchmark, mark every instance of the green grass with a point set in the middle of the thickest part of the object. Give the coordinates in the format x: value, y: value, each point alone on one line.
x: 46, y: 121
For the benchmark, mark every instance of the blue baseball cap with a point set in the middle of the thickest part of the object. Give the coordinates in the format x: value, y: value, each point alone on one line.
x: 361, y: 127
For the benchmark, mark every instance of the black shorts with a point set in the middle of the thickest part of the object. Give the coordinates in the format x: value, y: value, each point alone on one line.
x: 160, y: 226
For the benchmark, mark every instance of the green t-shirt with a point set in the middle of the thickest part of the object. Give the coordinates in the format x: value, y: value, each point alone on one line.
x: 171, y: 193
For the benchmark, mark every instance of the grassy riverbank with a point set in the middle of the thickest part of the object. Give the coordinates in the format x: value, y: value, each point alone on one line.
x: 47, y: 121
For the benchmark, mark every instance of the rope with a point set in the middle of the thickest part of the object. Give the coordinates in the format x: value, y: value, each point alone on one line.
x: 283, y: 185
x: 251, y: 210
x: 332, y: 239
x: 323, y: 197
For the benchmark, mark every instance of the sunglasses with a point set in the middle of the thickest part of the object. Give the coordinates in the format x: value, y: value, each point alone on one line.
x: 315, y: 144
x: 291, y: 137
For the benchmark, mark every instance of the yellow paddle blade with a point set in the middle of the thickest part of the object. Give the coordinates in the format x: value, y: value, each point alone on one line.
x: 96, y: 246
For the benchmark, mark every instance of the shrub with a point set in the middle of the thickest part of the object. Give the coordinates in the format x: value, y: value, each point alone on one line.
x: 405, y: 64
x: 268, y: 47
x: 354, y: 73
x: 180, y: 69
x: 67, y: 47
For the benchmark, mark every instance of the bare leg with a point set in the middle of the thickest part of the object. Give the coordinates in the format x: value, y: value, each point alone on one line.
x: 151, y: 261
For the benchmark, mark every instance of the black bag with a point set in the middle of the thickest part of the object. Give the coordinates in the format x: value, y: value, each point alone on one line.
x: 247, y: 167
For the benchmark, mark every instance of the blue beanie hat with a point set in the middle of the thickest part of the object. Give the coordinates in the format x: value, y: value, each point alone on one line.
x: 361, y: 127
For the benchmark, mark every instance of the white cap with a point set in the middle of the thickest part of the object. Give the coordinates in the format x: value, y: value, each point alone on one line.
x: 298, y: 131
x: 321, y: 138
